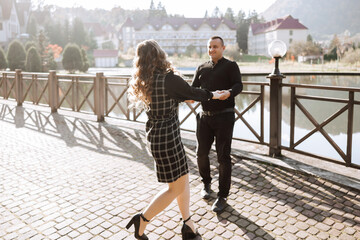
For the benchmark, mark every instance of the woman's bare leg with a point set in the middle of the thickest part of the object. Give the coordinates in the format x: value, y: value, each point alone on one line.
x: 183, y: 201
x: 163, y: 199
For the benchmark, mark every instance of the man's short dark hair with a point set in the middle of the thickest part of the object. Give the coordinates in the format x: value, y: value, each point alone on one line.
x: 218, y: 37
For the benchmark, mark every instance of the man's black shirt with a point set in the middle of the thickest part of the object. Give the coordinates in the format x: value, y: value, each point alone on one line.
x: 225, y: 75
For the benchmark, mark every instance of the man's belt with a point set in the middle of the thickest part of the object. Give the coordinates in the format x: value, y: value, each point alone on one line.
x: 212, y: 113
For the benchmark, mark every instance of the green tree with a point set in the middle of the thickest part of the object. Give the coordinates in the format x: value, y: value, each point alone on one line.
x: 242, y: 29
x: 158, y: 12
x: 42, y: 44
x: 54, y: 33
x: 3, y: 61
x: 33, y: 60
x: 85, y: 65
x: 206, y: 14
x: 309, y: 38
x: 91, y: 42
x: 216, y: 13
x: 190, y: 50
x: 229, y: 14
x: 28, y: 45
x: 32, y: 28
x: 66, y: 33
x: 72, y: 60
x: 16, y: 55
x: 78, y: 35
x: 51, y: 64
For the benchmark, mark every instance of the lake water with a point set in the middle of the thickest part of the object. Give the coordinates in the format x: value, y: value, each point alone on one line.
x: 320, y: 110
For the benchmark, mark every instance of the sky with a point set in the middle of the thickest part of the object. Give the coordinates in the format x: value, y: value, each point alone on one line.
x: 188, y: 8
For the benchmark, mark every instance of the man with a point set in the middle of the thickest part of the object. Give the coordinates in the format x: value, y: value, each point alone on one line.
x: 217, y: 118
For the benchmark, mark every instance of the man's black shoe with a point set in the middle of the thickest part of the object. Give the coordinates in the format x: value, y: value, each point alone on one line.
x: 206, y: 191
x: 219, y: 205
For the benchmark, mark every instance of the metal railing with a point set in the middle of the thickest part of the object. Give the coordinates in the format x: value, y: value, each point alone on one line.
x: 105, y: 96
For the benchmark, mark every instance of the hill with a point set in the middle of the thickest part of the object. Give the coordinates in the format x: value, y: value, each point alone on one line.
x: 324, y: 18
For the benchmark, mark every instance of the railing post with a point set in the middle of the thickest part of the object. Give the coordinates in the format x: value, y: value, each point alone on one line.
x: 4, y: 85
x: 99, y: 97
x: 350, y: 128
x: 53, y: 91
x: 19, y: 87
x: 275, y: 114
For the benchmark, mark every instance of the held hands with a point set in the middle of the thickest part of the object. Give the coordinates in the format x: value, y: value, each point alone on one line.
x: 221, y: 95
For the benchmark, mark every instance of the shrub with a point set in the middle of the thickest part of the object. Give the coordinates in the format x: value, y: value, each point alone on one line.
x: 3, y: 61
x: 72, y: 60
x: 16, y: 55
x: 85, y: 61
x: 28, y: 45
x: 33, y: 60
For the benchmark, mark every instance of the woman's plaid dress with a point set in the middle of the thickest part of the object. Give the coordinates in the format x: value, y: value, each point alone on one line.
x: 163, y: 134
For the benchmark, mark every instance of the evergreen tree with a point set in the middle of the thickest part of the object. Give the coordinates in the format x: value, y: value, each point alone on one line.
x: 51, y: 64
x: 216, y: 13
x: 42, y: 44
x: 242, y: 29
x: 3, y: 62
x: 152, y: 5
x: 33, y: 60
x: 72, y: 60
x: 206, y: 14
x: 78, y: 32
x: 66, y: 33
x: 32, y: 28
x: 229, y: 14
x: 85, y: 65
x: 91, y: 42
x: 54, y: 33
x: 309, y: 38
x: 16, y: 55
x: 28, y: 45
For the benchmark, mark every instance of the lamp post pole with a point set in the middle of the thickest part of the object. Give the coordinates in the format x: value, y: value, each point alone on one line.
x: 275, y: 110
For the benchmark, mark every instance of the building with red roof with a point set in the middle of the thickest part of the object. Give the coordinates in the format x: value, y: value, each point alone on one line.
x: 106, y: 57
x: 287, y: 29
x: 175, y: 34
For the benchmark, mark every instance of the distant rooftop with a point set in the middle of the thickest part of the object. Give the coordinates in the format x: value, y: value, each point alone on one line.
x: 177, y: 22
x: 287, y: 22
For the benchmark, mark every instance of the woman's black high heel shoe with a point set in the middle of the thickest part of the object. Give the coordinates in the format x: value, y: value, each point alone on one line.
x: 136, y: 221
x: 187, y: 233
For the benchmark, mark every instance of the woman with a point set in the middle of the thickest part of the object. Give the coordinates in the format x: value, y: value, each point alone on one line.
x: 156, y: 88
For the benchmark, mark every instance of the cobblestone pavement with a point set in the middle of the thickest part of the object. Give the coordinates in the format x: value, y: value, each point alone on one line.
x: 65, y: 177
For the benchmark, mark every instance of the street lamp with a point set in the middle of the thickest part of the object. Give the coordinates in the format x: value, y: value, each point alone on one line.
x: 277, y: 49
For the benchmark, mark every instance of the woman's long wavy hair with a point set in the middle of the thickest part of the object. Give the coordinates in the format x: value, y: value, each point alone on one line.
x: 149, y: 59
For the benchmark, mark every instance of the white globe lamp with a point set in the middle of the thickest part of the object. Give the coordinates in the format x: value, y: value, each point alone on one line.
x: 277, y: 49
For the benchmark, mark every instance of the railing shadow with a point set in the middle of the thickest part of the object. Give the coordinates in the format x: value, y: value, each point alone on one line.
x: 301, y: 194
x: 76, y: 132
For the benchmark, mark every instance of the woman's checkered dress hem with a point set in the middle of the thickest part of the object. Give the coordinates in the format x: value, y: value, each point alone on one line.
x: 163, y: 134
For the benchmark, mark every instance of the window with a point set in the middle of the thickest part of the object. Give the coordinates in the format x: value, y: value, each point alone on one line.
x: 290, y: 40
x: 291, y: 32
x: 1, y: 26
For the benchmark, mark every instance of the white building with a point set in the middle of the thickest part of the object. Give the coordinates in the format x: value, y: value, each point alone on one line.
x: 285, y: 29
x: 14, y: 17
x: 9, y: 21
x: 106, y: 58
x: 175, y: 34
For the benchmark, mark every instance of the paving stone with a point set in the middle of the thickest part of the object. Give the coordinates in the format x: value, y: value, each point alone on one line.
x: 69, y: 177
